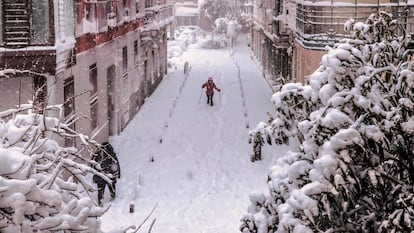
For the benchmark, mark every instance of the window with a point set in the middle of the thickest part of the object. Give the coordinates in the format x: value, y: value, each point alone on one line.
x: 136, y: 53
x: 40, y: 93
x: 27, y: 23
x: 93, y: 98
x: 137, y: 6
x: 90, y: 11
x: 94, y: 113
x: 124, y: 60
x: 69, y: 107
x: 68, y: 95
x: 153, y: 68
x: 93, y: 80
x: 1, y: 24
x: 148, y: 3
x: 40, y: 22
x: 158, y: 64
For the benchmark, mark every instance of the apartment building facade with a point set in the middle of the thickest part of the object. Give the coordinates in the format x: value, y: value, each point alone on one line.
x: 289, y: 37
x: 186, y: 12
x: 100, y: 59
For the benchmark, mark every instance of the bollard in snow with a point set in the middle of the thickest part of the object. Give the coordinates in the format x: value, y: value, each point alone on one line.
x: 186, y: 68
x: 131, y: 207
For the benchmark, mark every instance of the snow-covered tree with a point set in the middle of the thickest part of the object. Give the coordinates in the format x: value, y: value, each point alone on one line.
x: 354, y: 170
x: 221, y: 25
x: 44, y: 187
x: 214, y: 9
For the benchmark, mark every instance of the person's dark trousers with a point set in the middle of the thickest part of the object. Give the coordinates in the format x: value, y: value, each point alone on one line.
x: 258, y: 155
x: 210, y: 99
x: 112, y: 189
x: 101, y: 190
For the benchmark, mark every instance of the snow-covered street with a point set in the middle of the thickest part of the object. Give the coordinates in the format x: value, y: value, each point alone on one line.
x: 106, y: 124
x: 190, y: 159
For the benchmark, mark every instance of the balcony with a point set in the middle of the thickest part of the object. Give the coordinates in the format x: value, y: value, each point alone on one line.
x: 102, y: 16
x: 156, y: 18
x: 161, y: 14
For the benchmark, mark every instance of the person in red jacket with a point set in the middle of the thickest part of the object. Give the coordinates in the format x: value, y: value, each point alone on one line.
x: 210, y: 86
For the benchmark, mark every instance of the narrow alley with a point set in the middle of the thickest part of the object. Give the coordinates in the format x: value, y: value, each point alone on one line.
x: 189, y: 159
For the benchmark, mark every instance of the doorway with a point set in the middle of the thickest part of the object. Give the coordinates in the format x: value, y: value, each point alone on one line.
x: 112, y: 118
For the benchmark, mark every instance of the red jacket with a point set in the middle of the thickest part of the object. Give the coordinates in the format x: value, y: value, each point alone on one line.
x: 210, y: 86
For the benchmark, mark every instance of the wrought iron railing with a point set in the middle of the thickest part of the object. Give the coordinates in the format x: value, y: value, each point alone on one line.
x: 321, y: 25
x: 104, y: 15
x: 158, y: 13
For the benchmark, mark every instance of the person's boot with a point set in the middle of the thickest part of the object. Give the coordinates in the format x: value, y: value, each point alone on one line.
x: 113, y: 195
x: 257, y: 156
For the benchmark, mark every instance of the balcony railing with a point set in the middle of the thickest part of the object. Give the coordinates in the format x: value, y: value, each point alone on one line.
x: 158, y: 13
x: 318, y: 26
x: 104, y: 15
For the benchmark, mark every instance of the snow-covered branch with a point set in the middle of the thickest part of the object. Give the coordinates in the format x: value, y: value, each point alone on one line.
x: 9, y: 72
x: 43, y: 188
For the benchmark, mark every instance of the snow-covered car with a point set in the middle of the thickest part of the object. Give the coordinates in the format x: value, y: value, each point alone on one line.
x: 190, y: 31
x: 193, y: 28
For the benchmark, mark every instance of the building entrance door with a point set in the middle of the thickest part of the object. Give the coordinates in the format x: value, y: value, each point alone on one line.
x: 112, y: 117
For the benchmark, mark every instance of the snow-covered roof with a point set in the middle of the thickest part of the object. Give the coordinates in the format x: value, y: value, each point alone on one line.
x: 186, y: 11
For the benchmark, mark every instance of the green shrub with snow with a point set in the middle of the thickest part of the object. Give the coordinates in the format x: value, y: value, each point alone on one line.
x: 42, y: 186
x: 354, y: 170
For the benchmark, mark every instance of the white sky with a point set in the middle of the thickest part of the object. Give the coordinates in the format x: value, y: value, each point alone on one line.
x: 201, y: 176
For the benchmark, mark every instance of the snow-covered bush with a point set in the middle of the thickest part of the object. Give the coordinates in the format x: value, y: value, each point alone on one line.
x: 43, y: 186
x: 221, y: 25
x: 213, y: 42
x: 228, y: 27
x: 354, y: 170
x: 185, y: 37
x: 233, y: 29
